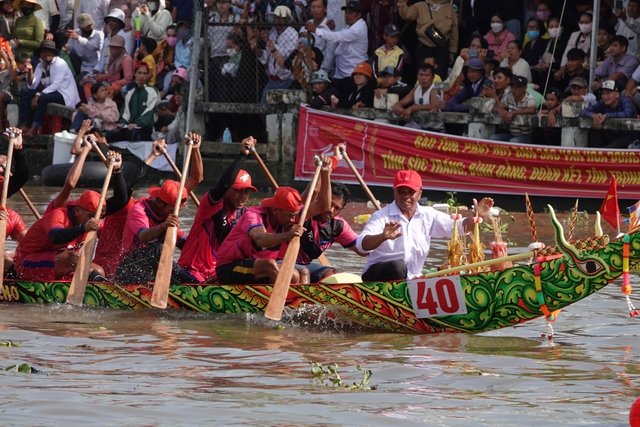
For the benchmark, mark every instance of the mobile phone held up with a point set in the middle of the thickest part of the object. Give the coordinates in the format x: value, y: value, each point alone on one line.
x: 488, y: 84
x: 619, y: 4
x: 473, y: 53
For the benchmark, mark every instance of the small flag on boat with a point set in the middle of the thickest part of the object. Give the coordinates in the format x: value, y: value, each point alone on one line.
x: 633, y: 215
x: 609, y: 209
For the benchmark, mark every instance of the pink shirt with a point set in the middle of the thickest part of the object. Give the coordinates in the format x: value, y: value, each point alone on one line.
x: 319, y: 237
x: 140, y: 218
x: 505, y: 38
x: 211, y: 226
x: 239, y: 245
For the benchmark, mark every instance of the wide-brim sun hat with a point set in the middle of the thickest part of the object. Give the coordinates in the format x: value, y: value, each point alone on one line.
x: 18, y: 3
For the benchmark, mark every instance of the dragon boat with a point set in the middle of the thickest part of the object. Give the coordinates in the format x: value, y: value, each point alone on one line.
x: 557, y: 277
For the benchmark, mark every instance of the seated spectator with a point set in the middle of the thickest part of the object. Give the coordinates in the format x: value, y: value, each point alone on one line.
x: 514, y: 61
x: 491, y: 63
x: 605, y: 34
x: 550, y: 135
x: 618, y: 67
x: 473, y: 86
x: 361, y: 92
x: 164, y: 57
x: 9, y: 14
x: 629, y: 26
x: 154, y: 19
x: 390, y: 83
x: 28, y: 30
x: 632, y: 88
x: 119, y: 69
x: 498, y: 37
x: 573, y: 68
x: 145, y: 54
x: 234, y: 54
x: 612, y: 106
x: 100, y: 107
x: 323, y: 92
x: 298, y: 61
x: 51, y: 82
x: 7, y: 74
x: 478, y: 48
x: 421, y: 98
x: 282, y: 42
x: 351, y: 43
x: 389, y: 54
x: 579, y: 92
x: 501, y: 80
x: 516, y: 102
x: 183, y: 56
x: 533, y: 50
x: 115, y: 21
x: 138, y: 113
x: 171, y: 133
x: 580, y: 39
x: 84, y: 45
x: 432, y: 60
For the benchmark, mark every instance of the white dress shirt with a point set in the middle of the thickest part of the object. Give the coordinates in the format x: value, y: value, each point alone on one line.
x: 60, y: 80
x: 413, y: 246
x: 631, y: 30
x: 88, y: 49
x: 326, y: 47
x: 49, y: 8
x: 352, y: 44
x: 285, y: 43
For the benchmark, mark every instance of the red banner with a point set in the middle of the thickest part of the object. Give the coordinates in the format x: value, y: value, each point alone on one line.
x: 452, y: 163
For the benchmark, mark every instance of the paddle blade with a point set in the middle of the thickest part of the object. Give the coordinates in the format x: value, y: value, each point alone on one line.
x: 3, y: 244
x: 165, y: 267
x: 79, y: 281
x: 281, y: 287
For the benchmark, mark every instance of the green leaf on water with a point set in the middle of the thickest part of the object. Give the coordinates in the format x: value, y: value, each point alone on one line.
x: 279, y: 326
x: 9, y: 344
x: 12, y: 368
x: 25, y: 368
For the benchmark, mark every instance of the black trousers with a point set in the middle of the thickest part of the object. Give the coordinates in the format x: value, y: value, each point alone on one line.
x: 386, y: 271
x: 141, y: 267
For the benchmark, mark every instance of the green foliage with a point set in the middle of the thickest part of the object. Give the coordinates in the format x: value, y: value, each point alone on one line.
x: 25, y: 368
x: 9, y: 344
x: 330, y: 375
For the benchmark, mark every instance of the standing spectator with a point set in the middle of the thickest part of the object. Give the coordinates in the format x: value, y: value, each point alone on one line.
x: 299, y: 62
x: 389, y: 54
x: 114, y: 27
x: 516, y: 102
x: 574, y: 68
x: 51, y: 82
x: 154, y: 19
x: 281, y: 42
x: 127, y: 7
x: 8, y: 16
x: 183, y: 49
x: 50, y: 17
x: 632, y: 88
x: 361, y: 93
x: 182, y: 10
x: 473, y: 86
x: 437, y: 29
x: 319, y: 19
x: 28, y: 32
x: 498, y: 37
x: 352, y: 43
x: 218, y: 36
x: 618, y: 67
x: 98, y: 9
x: 381, y: 14
x: 515, y: 62
x: 85, y: 44
x: 612, y: 106
x: 580, y: 39
x: 476, y: 18
x: 629, y: 25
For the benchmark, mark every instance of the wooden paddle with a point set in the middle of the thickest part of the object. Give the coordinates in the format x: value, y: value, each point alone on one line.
x: 281, y: 287
x: 361, y: 181
x: 179, y: 175
x: 163, y: 275
x: 79, y: 281
x: 3, y: 206
x: 26, y: 199
x: 322, y: 258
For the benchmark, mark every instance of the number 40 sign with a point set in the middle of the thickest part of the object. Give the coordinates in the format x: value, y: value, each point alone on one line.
x: 440, y: 296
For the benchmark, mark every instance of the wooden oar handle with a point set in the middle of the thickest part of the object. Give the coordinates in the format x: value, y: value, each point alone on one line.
x: 179, y: 175
x: 26, y: 199
x: 274, y: 184
x: 360, y: 180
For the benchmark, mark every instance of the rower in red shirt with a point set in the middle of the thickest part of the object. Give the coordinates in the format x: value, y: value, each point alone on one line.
x: 219, y: 210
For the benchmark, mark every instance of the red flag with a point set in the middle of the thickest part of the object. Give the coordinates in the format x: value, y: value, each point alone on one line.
x: 609, y: 209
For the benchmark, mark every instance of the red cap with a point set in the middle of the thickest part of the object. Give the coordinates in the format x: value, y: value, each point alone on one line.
x: 168, y: 193
x: 243, y: 180
x: 89, y: 201
x: 141, y: 64
x: 286, y: 198
x: 408, y: 178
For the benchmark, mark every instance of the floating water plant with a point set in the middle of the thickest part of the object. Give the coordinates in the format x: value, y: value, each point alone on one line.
x: 330, y: 375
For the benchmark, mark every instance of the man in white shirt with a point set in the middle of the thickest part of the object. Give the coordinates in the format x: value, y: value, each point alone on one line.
x: 629, y: 25
x: 397, y: 237
x: 282, y: 41
x: 51, y: 81
x: 85, y: 43
x: 352, y: 44
x: 50, y: 17
x: 319, y: 14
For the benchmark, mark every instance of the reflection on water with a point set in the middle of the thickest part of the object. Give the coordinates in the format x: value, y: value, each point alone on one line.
x: 158, y: 368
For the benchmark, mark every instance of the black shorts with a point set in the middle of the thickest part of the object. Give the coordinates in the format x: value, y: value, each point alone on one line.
x: 238, y: 272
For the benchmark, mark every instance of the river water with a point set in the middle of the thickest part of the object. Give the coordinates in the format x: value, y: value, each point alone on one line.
x: 170, y: 368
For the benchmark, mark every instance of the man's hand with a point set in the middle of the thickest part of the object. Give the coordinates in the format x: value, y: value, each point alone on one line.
x: 131, y: 126
x: 34, y: 102
x: 489, y: 92
x: 165, y: 112
x: 338, y: 150
x: 357, y: 105
x: 196, y: 139
x: 559, y: 74
x: 171, y: 221
x: 334, y: 102
x: 93, y: 224
x: 16, y: 140
x: 4, y: 215
x: 296, y: 231
x: 632, y: 92
x: 143, y: 9
x: 247, y: 144
x: 331, y: 24
x: 598, y: 120
x: 311, y: 27
x: 48, y: 36
x: 621, y: 14
x: 390, y: 231
x: 84, y: 108
x: 596, y: 85
x: 85, y: 127
x: 117, y: 161
x: 551, y: 121
x: 379, y: 92
x: 464, y: 53
x: 72, y: 35
x: 484, y: 207
x: 158, y: 146
x: 270, y: 45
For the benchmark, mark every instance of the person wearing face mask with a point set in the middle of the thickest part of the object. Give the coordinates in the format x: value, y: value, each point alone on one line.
x: 8, y: 16
x: 498, y: 38
x: 552, y: 54
x: 28, y: 31
x: 299, y: 64
x: 98, y: 9
x: 183, y: 48
x: 164, y: 57
x: 580, y: 39
x: 543, y: 13
x: 534, y: 49
x: 154, y: 19
x: 85, y: 44
x: 629, y: 25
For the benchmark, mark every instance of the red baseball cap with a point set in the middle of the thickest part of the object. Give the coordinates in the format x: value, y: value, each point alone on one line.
x: 243, y: 180
x: 286, y: 198
x: 408, y: 178
x: 89, y: 201
x: 168, y: 193
x: 141, y: 64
